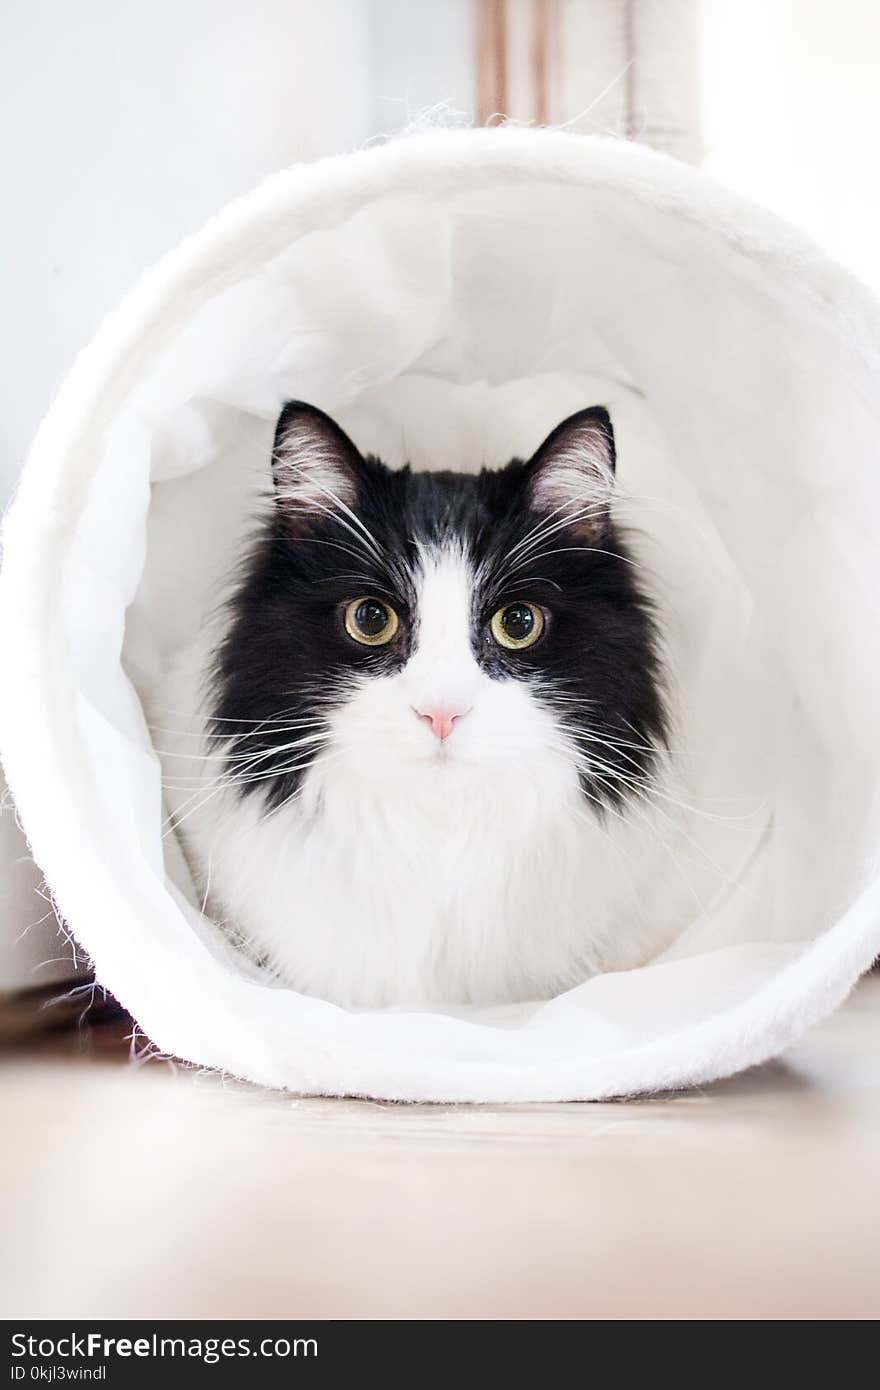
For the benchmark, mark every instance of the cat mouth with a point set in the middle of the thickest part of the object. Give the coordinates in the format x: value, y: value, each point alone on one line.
x: 438, y: 753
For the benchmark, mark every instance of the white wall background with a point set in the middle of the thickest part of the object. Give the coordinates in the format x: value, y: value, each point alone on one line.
x: 791, y: 114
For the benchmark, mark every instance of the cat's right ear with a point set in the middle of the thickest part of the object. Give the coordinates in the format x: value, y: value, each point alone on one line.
x: 315, y: 467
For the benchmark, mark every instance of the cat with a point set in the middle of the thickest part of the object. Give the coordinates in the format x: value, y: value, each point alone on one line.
x: 431, y: 727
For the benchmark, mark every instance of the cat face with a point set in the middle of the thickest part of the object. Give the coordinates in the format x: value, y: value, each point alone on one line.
x: 411, y: 626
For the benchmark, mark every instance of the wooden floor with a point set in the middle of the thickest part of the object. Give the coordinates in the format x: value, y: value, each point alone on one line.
x: 153, y: 1191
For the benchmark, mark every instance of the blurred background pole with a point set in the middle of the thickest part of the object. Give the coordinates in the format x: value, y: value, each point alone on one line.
x: 629, y: 68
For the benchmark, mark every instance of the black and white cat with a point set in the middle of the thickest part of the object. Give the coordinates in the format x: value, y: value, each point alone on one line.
x: 431, y: 727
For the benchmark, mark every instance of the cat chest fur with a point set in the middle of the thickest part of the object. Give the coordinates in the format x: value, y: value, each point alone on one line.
x: 424, y: 892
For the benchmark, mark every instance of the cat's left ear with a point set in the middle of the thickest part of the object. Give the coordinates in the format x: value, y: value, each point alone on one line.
x: 572, y: 474
x: 316, y: 468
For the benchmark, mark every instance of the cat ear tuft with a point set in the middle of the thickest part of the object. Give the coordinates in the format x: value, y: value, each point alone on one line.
x: 572, y: 474
x: 315, y: 466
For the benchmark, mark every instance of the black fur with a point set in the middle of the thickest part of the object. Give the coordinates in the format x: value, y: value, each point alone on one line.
x: 287, y: 650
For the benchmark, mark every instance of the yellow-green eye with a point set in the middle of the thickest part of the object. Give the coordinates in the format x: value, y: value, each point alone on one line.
x: 517, y: 625
x: 370, y: 621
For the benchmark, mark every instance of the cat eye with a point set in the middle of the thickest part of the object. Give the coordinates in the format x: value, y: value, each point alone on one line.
x: 517, y: 625
x: 371, y: 622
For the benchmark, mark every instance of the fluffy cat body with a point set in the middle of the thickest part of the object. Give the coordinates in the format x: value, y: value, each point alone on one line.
x: 459, y: 812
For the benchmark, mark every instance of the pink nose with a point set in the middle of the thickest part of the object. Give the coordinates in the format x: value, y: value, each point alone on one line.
x: 441, y: 718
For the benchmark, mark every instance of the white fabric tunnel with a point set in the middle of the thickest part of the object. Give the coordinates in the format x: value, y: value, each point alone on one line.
x: 449, y: 297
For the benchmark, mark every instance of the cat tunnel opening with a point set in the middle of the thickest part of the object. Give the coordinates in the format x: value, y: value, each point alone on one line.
x: 449, y: 297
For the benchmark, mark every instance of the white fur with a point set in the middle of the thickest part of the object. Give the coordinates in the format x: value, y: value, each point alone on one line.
x: 411, y: 870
